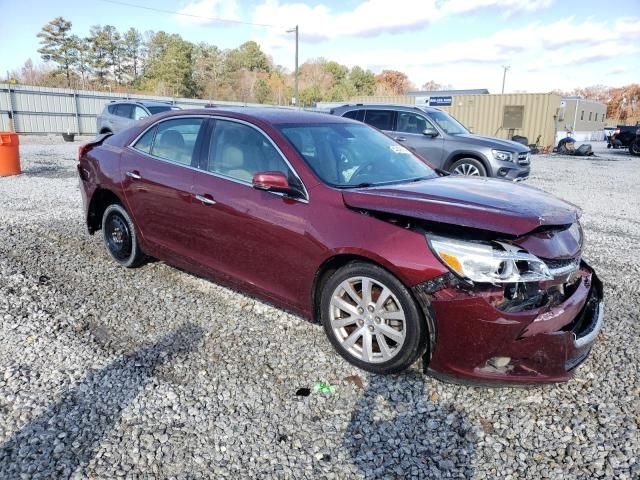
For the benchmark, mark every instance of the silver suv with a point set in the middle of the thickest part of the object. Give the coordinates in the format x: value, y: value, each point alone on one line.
x: 120, y: 114
x: 443, y: 141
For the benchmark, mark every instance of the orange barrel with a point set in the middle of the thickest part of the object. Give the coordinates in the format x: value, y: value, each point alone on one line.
x: 9, y: 154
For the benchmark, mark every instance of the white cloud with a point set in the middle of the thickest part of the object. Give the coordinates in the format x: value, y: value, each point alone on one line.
x: 375, y: 17
x: 508, y: 7
x: 542, y: 55
x: 558, y: 43
x: 204, y: 12
x: 369, y: 18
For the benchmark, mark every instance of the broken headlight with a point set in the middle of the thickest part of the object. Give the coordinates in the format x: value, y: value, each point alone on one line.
x: 488, y: 262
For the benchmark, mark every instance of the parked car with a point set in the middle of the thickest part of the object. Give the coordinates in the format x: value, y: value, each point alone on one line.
x: 445, y: 142
x: 625, y: 136
x: 118, y: 115
x: 634, y: 146
x: 331, y: 219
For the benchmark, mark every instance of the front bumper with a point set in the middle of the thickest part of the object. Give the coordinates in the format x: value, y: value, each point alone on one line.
x: 473, y: 338
x: 512, y: 171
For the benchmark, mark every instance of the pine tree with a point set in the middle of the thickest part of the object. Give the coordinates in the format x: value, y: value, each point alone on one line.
x: 98, y: 53
x: 132, y: 41
x: 59, y: 46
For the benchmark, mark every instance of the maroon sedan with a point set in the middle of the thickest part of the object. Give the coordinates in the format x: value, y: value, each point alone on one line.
x: 332, y: 219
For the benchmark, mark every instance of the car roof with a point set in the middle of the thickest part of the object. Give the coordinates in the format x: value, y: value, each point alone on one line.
x: 384, y: 106
x: 271, y: 115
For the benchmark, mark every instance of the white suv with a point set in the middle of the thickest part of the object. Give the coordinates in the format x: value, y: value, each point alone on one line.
x: 118, y: 115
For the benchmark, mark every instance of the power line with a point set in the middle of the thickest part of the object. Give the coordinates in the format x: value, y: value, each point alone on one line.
x: 213, y: 19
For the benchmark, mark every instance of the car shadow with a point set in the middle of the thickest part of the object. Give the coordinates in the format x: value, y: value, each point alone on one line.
x: 65, y: 436
x: 398, y: 431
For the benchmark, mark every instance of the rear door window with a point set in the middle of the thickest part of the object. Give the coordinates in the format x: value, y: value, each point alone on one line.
x: 381, y: 119
x: 124, y: 110
x: 175, y: 140
x: 112, y: 109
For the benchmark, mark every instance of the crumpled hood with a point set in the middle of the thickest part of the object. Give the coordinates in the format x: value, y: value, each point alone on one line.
x: 492, y: 142
x: 486, y: 204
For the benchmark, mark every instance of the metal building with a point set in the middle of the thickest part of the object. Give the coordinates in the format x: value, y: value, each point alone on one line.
x: 583, y: 119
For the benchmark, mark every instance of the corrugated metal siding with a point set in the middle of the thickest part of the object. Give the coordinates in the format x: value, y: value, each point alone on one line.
x: 484, y: 114
x: 58, y: 110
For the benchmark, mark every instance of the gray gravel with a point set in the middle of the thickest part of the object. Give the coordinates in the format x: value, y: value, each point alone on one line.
x: 155, y: 373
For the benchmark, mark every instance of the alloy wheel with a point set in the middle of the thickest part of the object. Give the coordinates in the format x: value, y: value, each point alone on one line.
x: 467, y: 169
x: 367, y: 319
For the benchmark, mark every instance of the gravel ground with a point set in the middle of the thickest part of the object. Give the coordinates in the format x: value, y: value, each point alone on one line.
x: 155, y: 373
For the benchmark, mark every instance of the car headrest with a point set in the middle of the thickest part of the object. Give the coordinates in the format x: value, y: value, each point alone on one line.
x: 231, y: 157
x: 171, y: 138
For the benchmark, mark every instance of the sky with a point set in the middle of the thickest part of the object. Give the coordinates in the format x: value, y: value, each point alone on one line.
x: 548, y: 44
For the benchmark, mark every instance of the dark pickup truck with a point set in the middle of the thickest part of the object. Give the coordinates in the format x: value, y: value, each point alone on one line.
x: 626, y: 136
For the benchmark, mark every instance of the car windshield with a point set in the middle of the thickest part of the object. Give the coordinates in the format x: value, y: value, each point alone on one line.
x: 154, y: 110
x: 447, y: 123
x: 350, y: 155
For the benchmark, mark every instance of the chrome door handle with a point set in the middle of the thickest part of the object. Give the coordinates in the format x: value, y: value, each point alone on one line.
x: 400, y: 139
x: 206, y: 200
x: 134, y: 175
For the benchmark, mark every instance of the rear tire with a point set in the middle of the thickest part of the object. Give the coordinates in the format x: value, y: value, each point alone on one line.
x: 120, y: 237
x: 469, y: 167
x: 634, y: 148
x: 371, y: 319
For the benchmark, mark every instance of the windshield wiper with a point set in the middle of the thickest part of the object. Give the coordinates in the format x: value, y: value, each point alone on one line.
x: 357, y: 185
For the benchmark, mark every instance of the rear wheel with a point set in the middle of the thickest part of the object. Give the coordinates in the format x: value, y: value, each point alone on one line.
x: 371, y: 319
x: 634, y: 148
x: 469, y: 167
x: 120, y: 237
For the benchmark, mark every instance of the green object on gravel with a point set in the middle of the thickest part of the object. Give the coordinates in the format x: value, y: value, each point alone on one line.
x: 323, y: 388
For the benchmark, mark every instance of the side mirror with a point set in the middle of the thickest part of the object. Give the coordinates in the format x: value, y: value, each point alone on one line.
x: 430, y: 132
x: 271, y: 182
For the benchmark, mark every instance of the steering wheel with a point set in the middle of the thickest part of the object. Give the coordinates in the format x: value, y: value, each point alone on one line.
x: 363, y: 170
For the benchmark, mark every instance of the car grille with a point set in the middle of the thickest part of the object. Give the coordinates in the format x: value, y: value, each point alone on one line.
x: 524, y: 158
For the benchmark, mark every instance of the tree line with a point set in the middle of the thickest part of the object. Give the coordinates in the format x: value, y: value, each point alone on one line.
x: 165, y: 64
x: 160, y: 63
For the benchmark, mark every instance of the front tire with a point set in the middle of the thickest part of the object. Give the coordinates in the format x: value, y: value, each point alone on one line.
x: 371, y: 319
x: 120, y: 237
x: 469, y: 167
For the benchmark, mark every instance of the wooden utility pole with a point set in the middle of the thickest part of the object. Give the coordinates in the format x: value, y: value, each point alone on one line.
x: 295, y: 89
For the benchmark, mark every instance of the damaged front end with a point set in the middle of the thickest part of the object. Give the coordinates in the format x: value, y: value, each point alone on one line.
x: 512, y: 310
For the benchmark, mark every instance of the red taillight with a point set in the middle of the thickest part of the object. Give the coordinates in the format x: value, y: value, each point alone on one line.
x: 83, y: 149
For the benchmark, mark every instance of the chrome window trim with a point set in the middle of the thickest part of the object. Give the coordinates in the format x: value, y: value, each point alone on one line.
x: 217, y: 175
